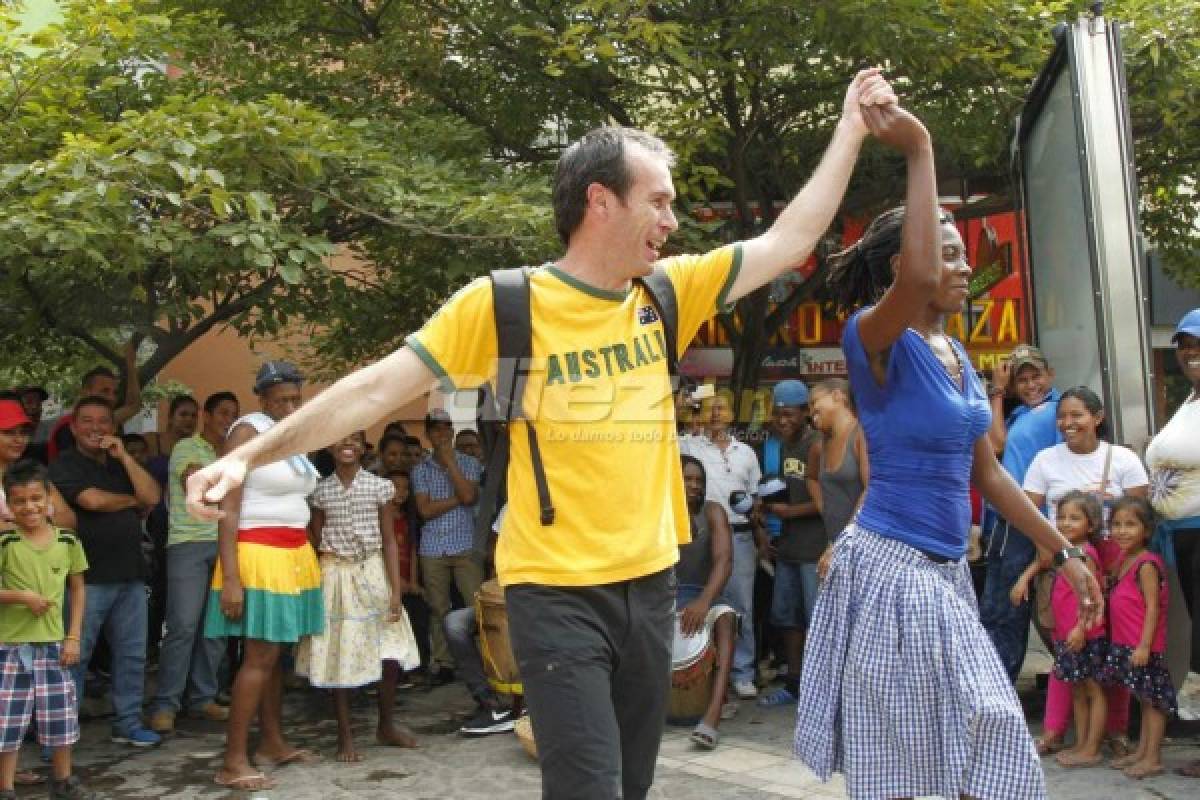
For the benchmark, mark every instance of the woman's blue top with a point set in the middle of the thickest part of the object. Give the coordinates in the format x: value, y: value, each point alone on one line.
x: 921, y: 430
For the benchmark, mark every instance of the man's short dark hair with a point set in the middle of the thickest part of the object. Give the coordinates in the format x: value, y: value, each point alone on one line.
x: 96, y: 372
x: 133, y: 438
x: 598, y: 157
x: 24, y: 473
x: 413, y: 441
x: 91, y: 400
x: 391, y: 438
x: 216, y: 398
x: 466, y: 432
x: 178, y: 401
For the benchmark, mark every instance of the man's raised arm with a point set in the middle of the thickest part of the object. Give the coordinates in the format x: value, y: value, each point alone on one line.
x: 352, y: 404
x: 795, y: 232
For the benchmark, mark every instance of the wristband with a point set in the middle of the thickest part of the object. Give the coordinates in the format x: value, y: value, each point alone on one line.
x: 70, y: 638
x: 1061, y: 556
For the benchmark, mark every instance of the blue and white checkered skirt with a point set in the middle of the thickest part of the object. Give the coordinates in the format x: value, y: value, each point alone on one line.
x: 902, y: 691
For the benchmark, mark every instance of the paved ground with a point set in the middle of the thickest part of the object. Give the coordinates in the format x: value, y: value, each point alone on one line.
x: 752, y: 762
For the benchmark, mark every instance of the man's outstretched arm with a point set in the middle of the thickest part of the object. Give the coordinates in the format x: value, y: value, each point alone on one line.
x: 352, y: 404
x: 798, y: 228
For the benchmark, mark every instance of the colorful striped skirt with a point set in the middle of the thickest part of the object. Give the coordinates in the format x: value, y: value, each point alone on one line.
x: 282, y: 583
x: 902, y: 690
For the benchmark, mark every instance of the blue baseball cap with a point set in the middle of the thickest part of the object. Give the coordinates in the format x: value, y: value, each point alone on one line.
x: 790, y: 393
x: 273, y: 373
x: 1190, y: 324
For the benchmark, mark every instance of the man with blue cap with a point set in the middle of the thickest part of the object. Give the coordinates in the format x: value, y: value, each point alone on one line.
x: 797, y: 533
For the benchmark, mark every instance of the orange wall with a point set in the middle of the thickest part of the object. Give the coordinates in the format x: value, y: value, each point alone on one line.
x: 222, y: 360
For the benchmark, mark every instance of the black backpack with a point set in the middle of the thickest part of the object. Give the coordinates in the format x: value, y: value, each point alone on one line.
x: 514, y: 343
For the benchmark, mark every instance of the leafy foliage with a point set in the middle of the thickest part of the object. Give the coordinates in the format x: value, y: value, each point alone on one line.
x: 417, y: 137
x: 142, y: 192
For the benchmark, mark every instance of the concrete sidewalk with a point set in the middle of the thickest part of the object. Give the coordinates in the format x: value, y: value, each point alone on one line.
x: 753, y: 761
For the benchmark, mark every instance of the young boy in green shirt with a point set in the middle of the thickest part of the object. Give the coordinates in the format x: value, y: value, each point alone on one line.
x: 37, y: 562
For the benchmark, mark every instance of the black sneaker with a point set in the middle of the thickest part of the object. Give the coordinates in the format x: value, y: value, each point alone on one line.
x: 488, y: 721
x: 441, y: 677
x: 70, y: 789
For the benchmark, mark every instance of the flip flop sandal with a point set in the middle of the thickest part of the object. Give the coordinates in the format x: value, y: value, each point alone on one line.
x: 705, y: 736
x: 1191, y: 770
x: 301, y: 755
x: 246, y: 783
x: 27, y: 777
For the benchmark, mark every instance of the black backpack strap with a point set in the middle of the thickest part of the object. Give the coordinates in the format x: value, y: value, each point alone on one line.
x: 514, y: 344
x: 662, y: 293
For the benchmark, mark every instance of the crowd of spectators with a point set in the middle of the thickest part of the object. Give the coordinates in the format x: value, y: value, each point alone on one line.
x: 765, y: 511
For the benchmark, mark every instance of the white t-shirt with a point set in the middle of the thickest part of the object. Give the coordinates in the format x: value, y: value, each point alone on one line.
x: 735, y: 467
x: 1174, y: 460
x: 275, y: 495
x: 1057, y: 470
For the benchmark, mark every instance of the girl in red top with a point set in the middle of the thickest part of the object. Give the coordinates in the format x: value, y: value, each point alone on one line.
x: 1138, y: 621
x: 1079, y: 653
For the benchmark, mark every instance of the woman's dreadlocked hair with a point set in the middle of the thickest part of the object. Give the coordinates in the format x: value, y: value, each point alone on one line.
x: 860, y: 274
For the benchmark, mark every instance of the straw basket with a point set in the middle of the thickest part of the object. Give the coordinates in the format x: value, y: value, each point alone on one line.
x: 524, y: 731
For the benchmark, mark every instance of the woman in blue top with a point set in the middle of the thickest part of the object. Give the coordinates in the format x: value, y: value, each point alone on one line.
x: 902, y: 690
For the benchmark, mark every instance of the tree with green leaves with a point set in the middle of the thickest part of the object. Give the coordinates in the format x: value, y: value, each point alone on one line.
x: 745, y: 91
x: 142, y: 197
x: 464, y: 105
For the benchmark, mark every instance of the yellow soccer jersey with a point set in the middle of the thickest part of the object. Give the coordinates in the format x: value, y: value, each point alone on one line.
x: 600, y: 400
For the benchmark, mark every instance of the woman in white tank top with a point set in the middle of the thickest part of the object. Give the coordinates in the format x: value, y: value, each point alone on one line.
x: 267, y: 584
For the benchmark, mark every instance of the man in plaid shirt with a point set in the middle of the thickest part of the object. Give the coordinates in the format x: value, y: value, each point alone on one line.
x: 446, y: 487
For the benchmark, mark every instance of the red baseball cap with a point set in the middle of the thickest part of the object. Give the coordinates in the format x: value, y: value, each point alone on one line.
x: 12, y: 415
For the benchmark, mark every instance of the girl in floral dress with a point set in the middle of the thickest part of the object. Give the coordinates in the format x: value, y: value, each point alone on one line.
x: 365, y: 623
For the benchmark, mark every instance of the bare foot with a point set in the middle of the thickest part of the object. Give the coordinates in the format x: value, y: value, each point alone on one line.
x: 1125, y: 761
x: 395, y: 737
x: 243, y: 781
x: 291, y: 755
x: 1144, y: 769
x: 348, y: 755
x: 1049, y: 744
x: 1077, y: 758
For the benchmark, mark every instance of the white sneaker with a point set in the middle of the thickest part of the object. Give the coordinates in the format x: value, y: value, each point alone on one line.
x: 746, y: 690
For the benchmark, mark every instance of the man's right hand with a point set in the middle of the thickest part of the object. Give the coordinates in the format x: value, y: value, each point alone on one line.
x: 207, y: 487
x: 1002, y: 374
x: 443, y: 453
x: 897, y: 128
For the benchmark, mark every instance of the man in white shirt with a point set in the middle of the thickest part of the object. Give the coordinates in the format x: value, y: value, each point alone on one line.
x: 733, y: 477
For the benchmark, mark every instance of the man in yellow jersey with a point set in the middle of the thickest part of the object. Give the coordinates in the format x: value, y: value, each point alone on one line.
x: 590, y: 596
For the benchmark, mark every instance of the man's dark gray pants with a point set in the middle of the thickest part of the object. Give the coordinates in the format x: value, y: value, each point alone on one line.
x: 595, y: 662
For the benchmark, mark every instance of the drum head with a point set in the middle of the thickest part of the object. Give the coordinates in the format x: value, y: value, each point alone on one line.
x: 687, y: 650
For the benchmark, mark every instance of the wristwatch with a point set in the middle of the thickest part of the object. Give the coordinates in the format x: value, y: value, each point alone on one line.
x: 1061, y: 556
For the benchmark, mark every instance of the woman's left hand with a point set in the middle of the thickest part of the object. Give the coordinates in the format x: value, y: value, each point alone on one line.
x: 1087, y: 589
